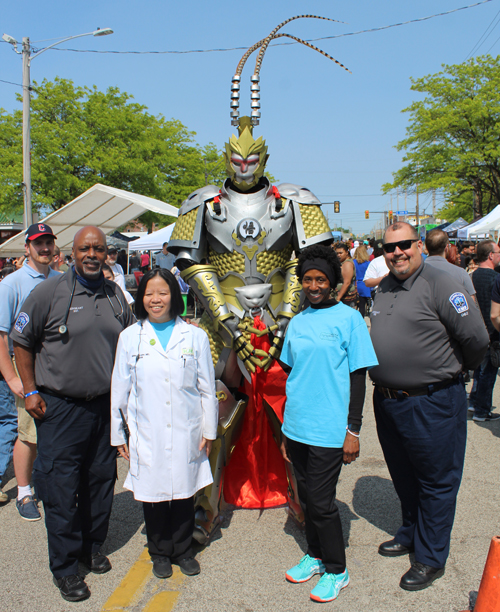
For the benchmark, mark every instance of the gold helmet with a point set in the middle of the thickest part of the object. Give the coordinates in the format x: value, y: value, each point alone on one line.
x: 245, y: 157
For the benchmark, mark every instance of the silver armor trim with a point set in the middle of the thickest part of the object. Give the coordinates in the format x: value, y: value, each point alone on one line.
x: 299, y: 194
x: 197, y: 198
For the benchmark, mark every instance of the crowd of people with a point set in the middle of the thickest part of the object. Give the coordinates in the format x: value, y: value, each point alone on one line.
x: 84, y: 376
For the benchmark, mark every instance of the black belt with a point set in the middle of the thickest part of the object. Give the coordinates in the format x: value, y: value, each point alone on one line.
x: 428, y: 390
x: 89, y: 398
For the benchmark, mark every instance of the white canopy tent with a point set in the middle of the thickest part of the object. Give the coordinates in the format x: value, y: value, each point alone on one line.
x: 105, y: 207
x: 152, y: 242
x: 482, y: 227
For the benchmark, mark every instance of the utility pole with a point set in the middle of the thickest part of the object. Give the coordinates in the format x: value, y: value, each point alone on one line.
x: 417, y: 220
x: 27, y: 58
x: 28, y: 217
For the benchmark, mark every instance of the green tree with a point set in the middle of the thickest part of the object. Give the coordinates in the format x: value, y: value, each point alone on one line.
x: 82, y: 136
x: 452, y: 142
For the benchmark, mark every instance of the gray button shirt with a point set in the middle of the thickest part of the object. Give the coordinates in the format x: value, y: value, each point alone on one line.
x: 457, y: 272
x: 78, y: 363
x: 425, y: 330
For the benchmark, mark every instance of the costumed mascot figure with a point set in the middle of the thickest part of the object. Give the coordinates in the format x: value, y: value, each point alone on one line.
x: 234, y: 249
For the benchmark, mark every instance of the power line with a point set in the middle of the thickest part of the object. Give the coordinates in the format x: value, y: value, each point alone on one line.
x: 481, y: 41
x: 11, y: 83
x: 493, y: 45
x: 219, y: 50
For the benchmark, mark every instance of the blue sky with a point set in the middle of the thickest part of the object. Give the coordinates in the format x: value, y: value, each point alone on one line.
x: 326, y: 129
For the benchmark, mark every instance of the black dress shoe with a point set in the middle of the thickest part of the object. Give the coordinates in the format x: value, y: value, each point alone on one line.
x: 72, y: 588
x: 420, y: 576
x: 162, y: 568
x: 393, y: 549
x: 189, y: 566
x: 97, y: 563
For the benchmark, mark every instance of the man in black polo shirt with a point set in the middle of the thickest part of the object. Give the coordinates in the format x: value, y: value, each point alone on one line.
x: 64, y: 341
x: 480, y: 399
x: 426, y: 330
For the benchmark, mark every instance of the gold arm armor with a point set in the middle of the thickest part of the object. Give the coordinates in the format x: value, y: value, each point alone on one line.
x: 292, y: 297
x: 204, y: 282
x: 313, y: 220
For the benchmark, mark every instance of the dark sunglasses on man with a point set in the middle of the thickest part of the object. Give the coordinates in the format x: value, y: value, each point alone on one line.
x: 403, y: 245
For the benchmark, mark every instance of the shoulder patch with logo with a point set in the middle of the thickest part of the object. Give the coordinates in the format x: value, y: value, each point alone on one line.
x: 21, y: 322
x: 459, y: 302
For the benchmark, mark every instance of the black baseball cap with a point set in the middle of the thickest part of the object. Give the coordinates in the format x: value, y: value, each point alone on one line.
x: 112, y: 249
x: 38, y: 229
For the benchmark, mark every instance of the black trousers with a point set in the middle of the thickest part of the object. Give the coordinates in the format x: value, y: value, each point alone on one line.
x: 362, y: 302
x: 423, y: 440
x: 74, y: 476
x: 317, y: 472
x: 169, y: 527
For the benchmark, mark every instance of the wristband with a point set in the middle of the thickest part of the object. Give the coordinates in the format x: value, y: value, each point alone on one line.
x: 356, y: 435
x: 30, y: 393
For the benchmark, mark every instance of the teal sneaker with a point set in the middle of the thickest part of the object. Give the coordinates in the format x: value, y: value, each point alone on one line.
x: 305, y: 569
x: 329, y: 587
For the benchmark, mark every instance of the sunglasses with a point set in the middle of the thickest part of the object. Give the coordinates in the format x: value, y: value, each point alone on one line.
x: 403, y: 245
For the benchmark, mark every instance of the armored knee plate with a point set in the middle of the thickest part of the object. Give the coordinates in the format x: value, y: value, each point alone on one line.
x: 294, y: 507
x: 207, y: 501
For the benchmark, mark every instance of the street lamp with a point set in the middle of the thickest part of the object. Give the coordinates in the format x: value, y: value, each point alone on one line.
x: 27, y: 57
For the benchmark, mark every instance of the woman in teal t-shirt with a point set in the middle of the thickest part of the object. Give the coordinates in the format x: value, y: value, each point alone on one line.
x: 327, y: 350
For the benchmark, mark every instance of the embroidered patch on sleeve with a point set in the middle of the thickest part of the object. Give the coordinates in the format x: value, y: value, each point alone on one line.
x: 21, y: 322
x: 459, y: 302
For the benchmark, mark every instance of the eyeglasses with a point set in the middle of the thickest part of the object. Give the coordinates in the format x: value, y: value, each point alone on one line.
x: 403, y: 245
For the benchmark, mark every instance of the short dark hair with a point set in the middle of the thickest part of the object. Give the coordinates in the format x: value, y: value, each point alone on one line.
x: 436, y: 241
x: 401, y: 225
x: 341, y: 245
x: 108, y: 269
x: 176, y: 301
x: 483, y: 250
x: 318, y: 251
x: 164, y: 244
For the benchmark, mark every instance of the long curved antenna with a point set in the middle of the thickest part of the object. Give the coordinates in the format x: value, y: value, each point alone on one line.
x: 248, y: 53
x: 263, y: 49
x: 263, y: 44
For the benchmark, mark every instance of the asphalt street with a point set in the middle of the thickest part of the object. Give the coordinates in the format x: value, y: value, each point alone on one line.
x: 243, y: 569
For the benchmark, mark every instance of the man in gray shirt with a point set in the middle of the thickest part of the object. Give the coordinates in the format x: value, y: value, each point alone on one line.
x: 65, y: 341
x: 437, y: 245
x: 426, y: 330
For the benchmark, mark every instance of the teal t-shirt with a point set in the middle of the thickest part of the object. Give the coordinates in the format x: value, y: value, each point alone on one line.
x: 163, y: 331
x: 323, y: 346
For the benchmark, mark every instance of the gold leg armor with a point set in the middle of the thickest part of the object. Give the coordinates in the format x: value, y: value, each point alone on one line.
x: 294, y: 507
x: 207, y: 501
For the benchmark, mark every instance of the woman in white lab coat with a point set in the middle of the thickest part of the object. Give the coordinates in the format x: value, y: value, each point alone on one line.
x: 163, y: 384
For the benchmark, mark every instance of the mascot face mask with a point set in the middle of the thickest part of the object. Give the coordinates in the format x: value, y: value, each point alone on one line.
x: 245, y: 157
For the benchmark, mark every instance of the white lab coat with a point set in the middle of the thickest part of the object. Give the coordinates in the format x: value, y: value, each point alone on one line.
x: 168, y: 399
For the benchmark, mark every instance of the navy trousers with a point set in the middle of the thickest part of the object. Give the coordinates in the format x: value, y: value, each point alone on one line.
x: 74, y: 475
x: 481, y: 396
x: 423, y: 440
